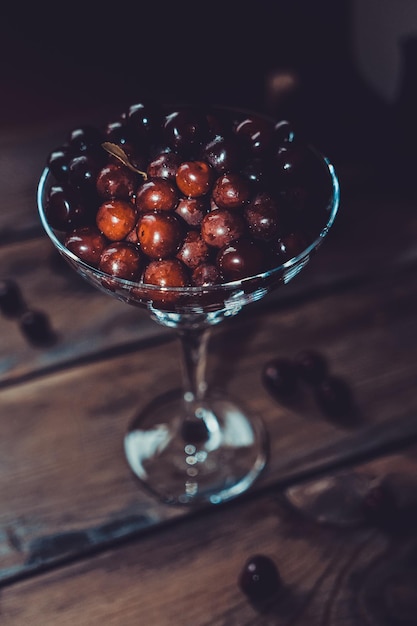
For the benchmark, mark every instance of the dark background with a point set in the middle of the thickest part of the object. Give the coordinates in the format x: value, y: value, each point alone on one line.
x: 70, y: 56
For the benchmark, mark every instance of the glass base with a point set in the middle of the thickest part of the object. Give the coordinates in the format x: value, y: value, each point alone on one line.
x: 210, y: 457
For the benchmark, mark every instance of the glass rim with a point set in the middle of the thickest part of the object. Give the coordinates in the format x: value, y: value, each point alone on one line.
x: 332, y: 206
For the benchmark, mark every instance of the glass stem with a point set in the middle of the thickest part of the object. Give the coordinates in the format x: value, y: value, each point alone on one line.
x: 194, y: 342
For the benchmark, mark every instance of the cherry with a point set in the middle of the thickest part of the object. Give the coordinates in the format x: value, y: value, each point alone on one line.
x: 157, y: 194
x: 160, y: 234
x: 36, y: 328
x: 311, y: 366
x: 231, y: 191
x: 164, y: 165
x: 279, y: 377
x: 240, y: 259
x: 166, y: 273
x: 64, y: 211
x: 87, y: 243
x: 256, y: 132
x: 191, y: 210
x: 117, y: 132
x: 333, y: 396
x: 222, y: 154
x: 254, y: 170
x: 262, y: 216
x: 185, y: 128
x: 205, y: 274
x: 194, y: 251
x: 283, y: 133
x: 58, y: 163
x: 259, y: 578
x: 144, y: 119
x: 116, y: 218
x: 194, y: 178
x: 85, y: 138
x: 289, y: 160
x: 220, y: 227
x: 291, y: 245
x: 115, y: 180
x: 11, y: 300
x: 122, y: 259
x: 82, y: 172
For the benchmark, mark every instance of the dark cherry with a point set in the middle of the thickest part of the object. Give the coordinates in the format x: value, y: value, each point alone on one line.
x: 36, y: 328
x: 115, y: 180
x: 122, y: 259
x: 279, y: 377
x: 220, y: 227
x: 240, y: 259
x: 289, y: 160
x: 231, y: 191
x: 58, y: 163
x: 256, y: 133
x: 87, y: 243
x: 205, y: 274
x: 259, y: 578
x: 83, y: 171
x: 117, y: 132
x: 116, y: 218
x: 191, y: 210
x: 157, y: 194
x: 254, y: 171
x: 160, y: 234
x: 166, y: 273
x: 64, y: 210
x: 283, y: 133
x: 144, y: 119
x: 222, y: 154
x: 311, y: 366
x: 11, y: 299
x: 194, y: 178
x: 194, y: 251
x: 85, y: 138
x: 185, y: 128
x: 333, y: 396
x: 164, y: 165
x: 262, y: 216
x: 291, y: 245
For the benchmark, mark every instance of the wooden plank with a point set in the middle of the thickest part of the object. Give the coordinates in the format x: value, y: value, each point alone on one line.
x: 63, y: 476
x: 356, y: 576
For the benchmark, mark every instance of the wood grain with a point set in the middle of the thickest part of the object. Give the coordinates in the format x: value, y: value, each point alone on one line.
x: 189, y: 572
x: 64, y: 430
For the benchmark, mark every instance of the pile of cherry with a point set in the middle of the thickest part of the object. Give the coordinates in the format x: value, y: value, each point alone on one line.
x: 186, y: 196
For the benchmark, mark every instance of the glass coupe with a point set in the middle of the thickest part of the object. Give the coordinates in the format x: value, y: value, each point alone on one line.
x: 193, y: 445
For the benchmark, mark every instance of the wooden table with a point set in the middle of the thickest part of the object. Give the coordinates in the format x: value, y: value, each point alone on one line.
x: 80, y: 540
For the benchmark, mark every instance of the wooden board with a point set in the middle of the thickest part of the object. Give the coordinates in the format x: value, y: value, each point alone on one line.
x: 61, y: 434
x: 356, y: 576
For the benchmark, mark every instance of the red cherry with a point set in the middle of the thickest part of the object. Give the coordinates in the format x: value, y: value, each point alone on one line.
x: 116, y: 218
x: 121, y: 259
x: 194, y: 178
x: 231, y: 191
x: 159, y: 234
x: 166, y: 273
x: 157, y: 194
